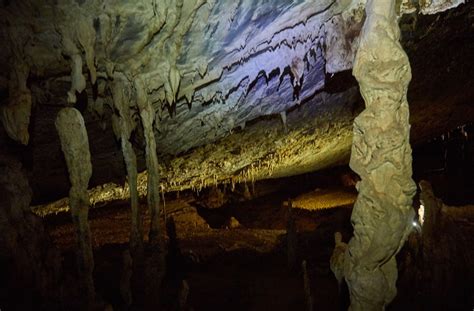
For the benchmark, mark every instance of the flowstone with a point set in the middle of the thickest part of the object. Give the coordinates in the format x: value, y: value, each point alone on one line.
x: 75, y: 145
x: 381, y: 155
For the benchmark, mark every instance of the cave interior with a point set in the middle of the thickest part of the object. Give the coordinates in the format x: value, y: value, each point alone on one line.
x: 237, y: 155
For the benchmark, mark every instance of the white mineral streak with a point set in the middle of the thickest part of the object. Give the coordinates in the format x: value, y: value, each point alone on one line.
x: 381, y: 155
x: 75, y: 145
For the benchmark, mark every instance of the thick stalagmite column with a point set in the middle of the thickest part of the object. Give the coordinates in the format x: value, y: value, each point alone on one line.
x: 75, y: 146
x: 381, y: 155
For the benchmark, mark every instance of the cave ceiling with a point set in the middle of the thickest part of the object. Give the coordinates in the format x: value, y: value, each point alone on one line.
x: 242, y: 90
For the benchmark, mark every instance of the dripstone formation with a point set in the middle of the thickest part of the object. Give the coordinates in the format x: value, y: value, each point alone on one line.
x: 381, y: 155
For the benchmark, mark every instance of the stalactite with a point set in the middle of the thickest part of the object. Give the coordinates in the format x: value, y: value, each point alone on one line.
x: 78, y: 81
x: 147, y: 115
x: 75, y: 145
x: 381, y: 155
x: 123, y: 127
x: 156, y: 263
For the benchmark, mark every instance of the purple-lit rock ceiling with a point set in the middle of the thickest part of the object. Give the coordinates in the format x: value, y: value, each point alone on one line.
x: 242, y: 90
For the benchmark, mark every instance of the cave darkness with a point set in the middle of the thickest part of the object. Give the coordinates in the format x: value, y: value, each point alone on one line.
x: 237, y: 155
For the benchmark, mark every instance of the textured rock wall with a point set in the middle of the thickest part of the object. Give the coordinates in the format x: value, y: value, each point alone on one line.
x: 381, y: 155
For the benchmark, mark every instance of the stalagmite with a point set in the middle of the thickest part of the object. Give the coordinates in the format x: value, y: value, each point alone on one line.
x: 291, y: 237
x: 75, y: 145
x: 432, y: 215
x: 381, y: 155
x: 183, y: 295
x: 336, y: 262
x: 125, y: 278
x: 307, y: 287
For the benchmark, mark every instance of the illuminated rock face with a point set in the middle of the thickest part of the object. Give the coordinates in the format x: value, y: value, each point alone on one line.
x: 75, y: 146
x: 381, y: 155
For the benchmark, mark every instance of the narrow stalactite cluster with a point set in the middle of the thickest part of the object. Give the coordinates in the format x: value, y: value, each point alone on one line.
x: 381, y: 155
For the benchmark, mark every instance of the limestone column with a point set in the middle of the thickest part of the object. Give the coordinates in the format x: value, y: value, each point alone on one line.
x: 75, y: 145
x: 381, y: 155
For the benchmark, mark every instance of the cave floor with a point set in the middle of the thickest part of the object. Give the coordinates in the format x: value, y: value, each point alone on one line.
x: 229, y: 265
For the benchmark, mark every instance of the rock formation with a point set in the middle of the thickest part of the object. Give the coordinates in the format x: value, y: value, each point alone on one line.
x: 31, y: 266
x: 307, y: 287
x: 336, y: 263
x: 446, y: 252
x: 198, y: 90
x: 381, y: 155
x: 147, y: 115
x: 15, y: 116
x: 126, y: 277
x: 75, y: 146
x: 291, y: 238
x: 123, y: 125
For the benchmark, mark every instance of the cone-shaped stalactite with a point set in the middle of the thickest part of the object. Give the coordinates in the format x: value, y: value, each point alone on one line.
x: 381, y: 155
x: 75, y: 145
